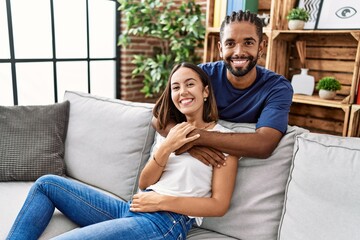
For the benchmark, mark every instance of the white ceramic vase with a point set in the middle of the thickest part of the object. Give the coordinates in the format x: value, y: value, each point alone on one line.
x: 326, y: 94
x: 303, y: 83
x: 296, y: 24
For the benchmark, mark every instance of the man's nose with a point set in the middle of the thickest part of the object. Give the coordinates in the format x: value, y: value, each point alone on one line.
x: 237, y: 49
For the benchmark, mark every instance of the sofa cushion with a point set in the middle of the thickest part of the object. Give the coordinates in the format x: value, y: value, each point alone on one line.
x: 323, y: 193
x: 201, y: 234
x: 108, y: 142
x: 32, y: 141
x: 258, y: 197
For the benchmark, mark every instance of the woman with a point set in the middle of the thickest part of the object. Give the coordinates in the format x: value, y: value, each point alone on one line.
x: 176, y: 187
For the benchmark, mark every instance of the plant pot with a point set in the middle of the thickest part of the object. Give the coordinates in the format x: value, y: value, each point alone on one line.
x: 326, y: 94
x: 296, y: 24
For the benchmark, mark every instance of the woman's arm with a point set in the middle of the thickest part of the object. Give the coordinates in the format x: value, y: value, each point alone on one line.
x: 155, y: 166
x: 217, y: 205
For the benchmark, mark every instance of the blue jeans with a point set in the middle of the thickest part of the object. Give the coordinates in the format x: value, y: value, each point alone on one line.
x: 100, y: 216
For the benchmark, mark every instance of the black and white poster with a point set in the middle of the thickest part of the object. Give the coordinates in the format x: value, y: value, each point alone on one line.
x: 336, y: 14
x: 313, y: 7
x: 332, y: 14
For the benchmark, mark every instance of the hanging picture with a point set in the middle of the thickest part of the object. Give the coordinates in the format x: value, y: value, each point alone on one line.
x: 336, y: 14
x: 313, y: 7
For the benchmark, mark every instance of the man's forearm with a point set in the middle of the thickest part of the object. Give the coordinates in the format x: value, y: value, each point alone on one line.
x: 259, y: 144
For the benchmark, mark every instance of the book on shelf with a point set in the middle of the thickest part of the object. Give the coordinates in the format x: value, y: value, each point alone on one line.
x: 234, y: 6
x: 220, y: 7
x: 250, y: 5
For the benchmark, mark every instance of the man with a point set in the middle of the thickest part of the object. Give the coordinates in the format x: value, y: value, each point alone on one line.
x: 245, y: 92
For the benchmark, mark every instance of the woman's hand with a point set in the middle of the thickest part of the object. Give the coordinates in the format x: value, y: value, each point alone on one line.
x: 177, y: 136
x: 146, y: 202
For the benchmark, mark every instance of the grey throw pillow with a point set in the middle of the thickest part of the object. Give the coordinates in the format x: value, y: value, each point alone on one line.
x: 32, y: 141
x: 108, y: 142
x: 322, y: 195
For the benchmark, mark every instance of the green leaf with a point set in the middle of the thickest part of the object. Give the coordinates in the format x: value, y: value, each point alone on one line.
x: 179, y: 30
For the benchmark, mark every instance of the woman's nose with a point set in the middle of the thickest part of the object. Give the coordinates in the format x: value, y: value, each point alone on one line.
x: 183, y: 91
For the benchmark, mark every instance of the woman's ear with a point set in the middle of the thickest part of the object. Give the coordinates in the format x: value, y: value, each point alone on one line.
x: 206, y: 91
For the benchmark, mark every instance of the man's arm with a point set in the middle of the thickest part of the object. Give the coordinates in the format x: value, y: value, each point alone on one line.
x: 259, y: 144
x: 163, y: 132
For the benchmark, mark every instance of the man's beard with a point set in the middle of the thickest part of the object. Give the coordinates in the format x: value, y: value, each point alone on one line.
x: 239, y: 72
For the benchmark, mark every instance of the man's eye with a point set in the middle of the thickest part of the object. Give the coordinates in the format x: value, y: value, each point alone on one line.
x: 229, y: 44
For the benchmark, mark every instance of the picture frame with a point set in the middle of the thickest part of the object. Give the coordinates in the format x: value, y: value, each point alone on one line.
x: 313, y: 7
x: 338, y: 15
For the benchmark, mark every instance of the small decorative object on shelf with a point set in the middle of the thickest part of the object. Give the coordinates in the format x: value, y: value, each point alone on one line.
x: 327, y: 87
x: 297, y: 18
x: 303, y: 83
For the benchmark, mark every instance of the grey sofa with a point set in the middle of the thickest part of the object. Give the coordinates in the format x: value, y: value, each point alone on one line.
x: 308, y: 189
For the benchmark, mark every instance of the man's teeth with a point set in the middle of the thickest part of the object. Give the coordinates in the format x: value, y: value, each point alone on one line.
x: 239, y: 61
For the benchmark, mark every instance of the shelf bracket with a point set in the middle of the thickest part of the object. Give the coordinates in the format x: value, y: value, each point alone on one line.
x: 346, y: 100
x: 356, y: 35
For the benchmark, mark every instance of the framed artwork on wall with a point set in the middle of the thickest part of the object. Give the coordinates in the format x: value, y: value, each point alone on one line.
x: 332, y: 14
x: 313, y: 7
x: 336, y: 14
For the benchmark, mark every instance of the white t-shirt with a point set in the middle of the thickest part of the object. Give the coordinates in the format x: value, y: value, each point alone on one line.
x: 184, y: 175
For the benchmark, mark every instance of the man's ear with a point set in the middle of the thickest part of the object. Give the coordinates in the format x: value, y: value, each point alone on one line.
x: 262, y: 47
x: 220, y: 49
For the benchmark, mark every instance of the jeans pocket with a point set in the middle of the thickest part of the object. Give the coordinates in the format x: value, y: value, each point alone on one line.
x: 177, y: 226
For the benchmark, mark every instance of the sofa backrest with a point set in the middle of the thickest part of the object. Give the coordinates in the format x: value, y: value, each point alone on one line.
x: 108, y: 142
x: 257, y: 201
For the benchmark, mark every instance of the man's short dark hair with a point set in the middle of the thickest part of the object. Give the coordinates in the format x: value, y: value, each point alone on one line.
x: 243, y: 16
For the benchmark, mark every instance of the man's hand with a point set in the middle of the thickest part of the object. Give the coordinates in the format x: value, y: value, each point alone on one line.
x: 146, y: 202
x: 204, y: 154
x: 208, y: 156
x: 187, y: 146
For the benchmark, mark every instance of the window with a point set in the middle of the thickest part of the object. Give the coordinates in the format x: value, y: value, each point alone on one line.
x: 49, y: 46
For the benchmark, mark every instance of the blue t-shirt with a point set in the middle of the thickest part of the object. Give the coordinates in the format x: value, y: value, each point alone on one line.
x: 266, y: 102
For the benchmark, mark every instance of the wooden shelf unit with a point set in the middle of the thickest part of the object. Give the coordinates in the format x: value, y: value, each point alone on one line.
x: 354, y: 122
x: 328, y: 53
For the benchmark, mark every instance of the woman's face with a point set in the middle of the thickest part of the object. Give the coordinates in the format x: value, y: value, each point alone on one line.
x: 188, y: 92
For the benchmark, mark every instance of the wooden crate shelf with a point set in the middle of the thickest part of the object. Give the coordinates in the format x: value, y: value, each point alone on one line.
x: 328, y: 53
x: 321, y: 119
x: 354, y: 123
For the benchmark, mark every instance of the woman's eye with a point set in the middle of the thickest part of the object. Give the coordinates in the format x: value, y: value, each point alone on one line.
x: 175, y: 88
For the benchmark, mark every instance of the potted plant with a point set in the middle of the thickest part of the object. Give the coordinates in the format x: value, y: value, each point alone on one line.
x: 327, y: 87
x: 177, y: 32
x: 297, y: 18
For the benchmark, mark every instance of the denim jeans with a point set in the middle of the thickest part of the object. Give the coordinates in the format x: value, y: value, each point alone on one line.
x: 99, y: 216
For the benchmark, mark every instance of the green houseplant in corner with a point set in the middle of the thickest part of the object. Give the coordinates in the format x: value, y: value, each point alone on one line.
x: 297, y: 18
x: 179, y: 30
x: 327, y: 87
